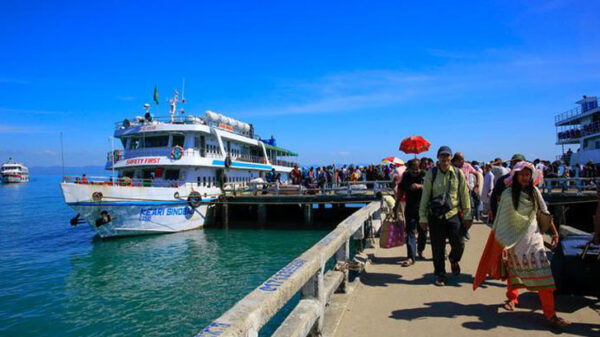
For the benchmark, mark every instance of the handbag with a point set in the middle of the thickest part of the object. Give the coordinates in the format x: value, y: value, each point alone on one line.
x: 544, y: 220
x: 392, y: 233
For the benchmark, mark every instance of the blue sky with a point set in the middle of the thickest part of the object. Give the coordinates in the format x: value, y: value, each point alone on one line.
x: 335, y: 81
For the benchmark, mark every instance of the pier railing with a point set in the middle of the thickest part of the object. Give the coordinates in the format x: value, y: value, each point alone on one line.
x: 562, y: 185
x: 305, y: 274
x: 344, y: 188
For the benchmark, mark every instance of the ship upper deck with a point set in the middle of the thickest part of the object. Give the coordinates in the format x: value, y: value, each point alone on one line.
x: 201, y: 140
x: 587, y: 107
x: 578, y: 123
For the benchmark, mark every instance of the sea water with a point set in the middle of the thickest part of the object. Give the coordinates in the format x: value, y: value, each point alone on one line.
x: 58, y: 280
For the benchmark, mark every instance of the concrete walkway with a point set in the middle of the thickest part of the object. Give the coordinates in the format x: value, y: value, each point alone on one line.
x: 395, y: 301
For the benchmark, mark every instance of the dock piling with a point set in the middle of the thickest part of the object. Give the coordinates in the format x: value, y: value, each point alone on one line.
x: 262, y: 214
x: 308, y: 214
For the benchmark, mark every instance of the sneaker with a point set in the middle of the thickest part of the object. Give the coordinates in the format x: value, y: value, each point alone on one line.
x: 455, y: 268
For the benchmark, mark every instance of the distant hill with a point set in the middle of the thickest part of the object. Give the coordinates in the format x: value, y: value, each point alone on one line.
x: 69, y: 170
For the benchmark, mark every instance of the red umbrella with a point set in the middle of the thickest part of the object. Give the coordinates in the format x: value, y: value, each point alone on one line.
x: 414, y: 144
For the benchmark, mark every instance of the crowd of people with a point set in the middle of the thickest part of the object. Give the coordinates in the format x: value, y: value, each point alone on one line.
x: 332, y: 176
x: 442, y: 200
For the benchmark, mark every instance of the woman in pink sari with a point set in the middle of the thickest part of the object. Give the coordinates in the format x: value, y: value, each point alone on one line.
x: 515, y: 249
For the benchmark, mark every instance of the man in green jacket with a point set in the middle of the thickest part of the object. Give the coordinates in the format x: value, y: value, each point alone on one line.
x: 444, y: 222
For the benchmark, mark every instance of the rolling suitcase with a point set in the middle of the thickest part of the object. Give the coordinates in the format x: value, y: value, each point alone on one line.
x: 576, y: 266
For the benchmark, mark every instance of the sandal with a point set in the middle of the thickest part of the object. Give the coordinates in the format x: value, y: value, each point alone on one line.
x: 558, y: 322
x: 509, y: 305
x: 408, y: 263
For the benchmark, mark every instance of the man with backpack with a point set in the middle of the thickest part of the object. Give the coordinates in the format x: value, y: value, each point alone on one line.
x: 445, y: 194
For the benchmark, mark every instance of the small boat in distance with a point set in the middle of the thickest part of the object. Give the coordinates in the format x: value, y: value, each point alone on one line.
x: 169, y: 170
x: 14, y: 172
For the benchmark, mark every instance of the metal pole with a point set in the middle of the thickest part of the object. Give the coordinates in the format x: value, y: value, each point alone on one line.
x: 62, y: 154
x: 112, y: 155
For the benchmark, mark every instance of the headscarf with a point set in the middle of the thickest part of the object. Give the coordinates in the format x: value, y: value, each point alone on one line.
x: 537, y: 175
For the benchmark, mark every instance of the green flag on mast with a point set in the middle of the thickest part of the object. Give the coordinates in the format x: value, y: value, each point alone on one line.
x: 156, y: 94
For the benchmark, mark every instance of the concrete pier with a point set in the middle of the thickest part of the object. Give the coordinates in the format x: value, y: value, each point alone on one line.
x: 394, y: 301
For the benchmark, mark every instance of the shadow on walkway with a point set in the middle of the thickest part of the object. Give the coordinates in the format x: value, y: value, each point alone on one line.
x: 491, y: 316
x: 393, y: 259
x: 384, y: 279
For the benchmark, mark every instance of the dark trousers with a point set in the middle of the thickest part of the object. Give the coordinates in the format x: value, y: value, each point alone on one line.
x: 439, y: 231
x: 412, y: 243
x: 475, y: 202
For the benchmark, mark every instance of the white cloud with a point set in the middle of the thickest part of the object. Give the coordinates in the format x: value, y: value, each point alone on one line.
x: 345, y: 92
x: 482, y: 74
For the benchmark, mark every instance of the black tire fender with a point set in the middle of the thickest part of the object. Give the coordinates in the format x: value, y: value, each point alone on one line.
x: 195, y: 199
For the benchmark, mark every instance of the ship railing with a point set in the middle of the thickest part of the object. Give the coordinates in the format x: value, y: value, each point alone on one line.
x: 564, y: 185
x: 567, y: 115
x: 147, y: 152
x: 285, y: 163
x: 122, y: 181
x: 141, y: 121
x: 576, y: 132
x: 306, y: 275
x: 276, y: 188
x: 249, y: 158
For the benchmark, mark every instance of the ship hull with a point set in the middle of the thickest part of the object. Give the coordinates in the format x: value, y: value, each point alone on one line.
x: 123, y: 213
x: 14, y: 179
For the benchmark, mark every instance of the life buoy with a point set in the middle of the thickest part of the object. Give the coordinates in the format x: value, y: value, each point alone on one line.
x: 228, y: 161
x: 97, y: 196
x: 177, y: 152
x: 116, y: 155
x: 195, y: 199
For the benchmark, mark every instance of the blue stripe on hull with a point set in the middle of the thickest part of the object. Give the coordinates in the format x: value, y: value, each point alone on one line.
x: 134, y: 203
x: 243, y: 165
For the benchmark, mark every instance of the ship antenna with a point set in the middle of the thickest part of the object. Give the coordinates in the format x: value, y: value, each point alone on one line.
x: 182, y: 94
x: 173, y: 103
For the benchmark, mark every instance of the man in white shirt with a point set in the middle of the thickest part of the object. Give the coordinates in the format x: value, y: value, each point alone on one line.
x: 486, y: 191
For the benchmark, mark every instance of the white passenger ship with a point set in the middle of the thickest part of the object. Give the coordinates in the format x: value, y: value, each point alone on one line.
x: 14, y: 172
x: 169, y: 171
x: 580, y: 127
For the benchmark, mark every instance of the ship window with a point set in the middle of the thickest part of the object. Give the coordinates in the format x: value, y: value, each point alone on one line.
x: 178, y: 140
x: 203, y: 181
x: 198, y: 181
x: 128, y: 174
x: 135, y: 143
x: 172, y: 175
x: 156, y: 141
x: 147, y: 174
